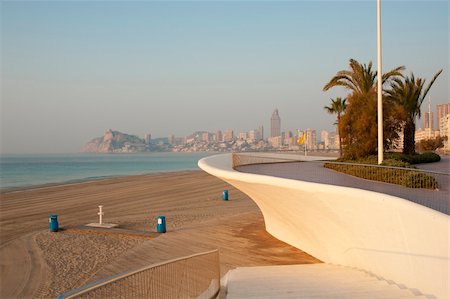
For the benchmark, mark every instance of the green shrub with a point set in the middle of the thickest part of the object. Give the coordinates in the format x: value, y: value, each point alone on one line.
x: 402, y: 160
x: 404, y: 177
x: 419, y: 180
x: 427, y: 157
x: 431, y: 144
x: 394, y: 156
x: 396, y: 163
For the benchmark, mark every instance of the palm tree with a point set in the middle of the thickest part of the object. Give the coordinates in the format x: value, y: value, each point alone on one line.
x: 360, y: 79
x: 410, y: 94
x: 358, y: 127
x: 337, y: 106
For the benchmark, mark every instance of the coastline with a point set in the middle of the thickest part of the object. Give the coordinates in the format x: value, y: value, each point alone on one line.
x: 36, y: 263
x: 140, y: 163
x: 28, y: 171
x: 6, y: 190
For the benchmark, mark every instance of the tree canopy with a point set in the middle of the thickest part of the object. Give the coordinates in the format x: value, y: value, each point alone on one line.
x: 358, y: 125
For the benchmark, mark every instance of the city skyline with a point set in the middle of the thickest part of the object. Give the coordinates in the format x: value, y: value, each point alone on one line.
x: 428, y: 120
x: 70, y: 70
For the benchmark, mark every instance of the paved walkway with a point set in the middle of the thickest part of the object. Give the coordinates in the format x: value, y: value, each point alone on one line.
x: 312, y: 281
x: 315, y: 172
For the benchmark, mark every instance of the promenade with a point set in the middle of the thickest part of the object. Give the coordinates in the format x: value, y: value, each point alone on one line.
x: 349, y: 221
x: 313, y: 171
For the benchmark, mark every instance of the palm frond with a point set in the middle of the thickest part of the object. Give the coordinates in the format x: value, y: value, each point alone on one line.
x: 431, y: 83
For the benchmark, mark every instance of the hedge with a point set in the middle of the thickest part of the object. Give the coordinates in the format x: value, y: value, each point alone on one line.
x: 404, y: 177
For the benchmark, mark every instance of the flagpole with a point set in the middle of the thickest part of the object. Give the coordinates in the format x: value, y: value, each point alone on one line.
x: 306, y: 144
x: 380, y: 89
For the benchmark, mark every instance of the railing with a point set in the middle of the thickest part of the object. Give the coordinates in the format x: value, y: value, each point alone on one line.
x: 428, y: 188
x: 194, y: 276
x: 251, y: 159
x: 375, y: 231
x: 408, y: 177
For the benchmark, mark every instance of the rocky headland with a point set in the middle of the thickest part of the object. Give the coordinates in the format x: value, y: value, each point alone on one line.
x: 116, y: 142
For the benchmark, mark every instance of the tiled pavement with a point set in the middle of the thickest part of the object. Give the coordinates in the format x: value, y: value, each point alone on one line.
x: 314, y: 171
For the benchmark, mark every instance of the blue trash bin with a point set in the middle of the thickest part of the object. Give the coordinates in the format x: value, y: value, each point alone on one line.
x: 161, y: 224
x: 53, y: 223
x: 225, y: 195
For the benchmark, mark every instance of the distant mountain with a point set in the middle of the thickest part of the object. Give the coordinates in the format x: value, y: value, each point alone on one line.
x: 115, y: 142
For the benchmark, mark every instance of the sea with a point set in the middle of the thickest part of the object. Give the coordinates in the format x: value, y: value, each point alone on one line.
x: 40, y: 169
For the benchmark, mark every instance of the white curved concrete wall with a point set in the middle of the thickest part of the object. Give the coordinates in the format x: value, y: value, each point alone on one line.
x: 386, y: 235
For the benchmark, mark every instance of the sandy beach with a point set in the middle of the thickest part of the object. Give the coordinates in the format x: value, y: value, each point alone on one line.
x: 38, y: 264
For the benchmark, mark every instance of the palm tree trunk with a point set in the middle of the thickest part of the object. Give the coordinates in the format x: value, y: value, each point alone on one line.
x: 339, y: 133
x: 409, y: 132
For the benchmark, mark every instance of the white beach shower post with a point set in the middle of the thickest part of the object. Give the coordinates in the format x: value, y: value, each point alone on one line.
x: 100, y: 214
x: 100, y: 220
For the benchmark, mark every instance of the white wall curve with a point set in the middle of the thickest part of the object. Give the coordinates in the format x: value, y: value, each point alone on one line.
x: 386, y: 235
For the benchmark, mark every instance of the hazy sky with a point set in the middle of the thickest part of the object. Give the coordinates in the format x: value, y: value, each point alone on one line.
x: 70, y: 70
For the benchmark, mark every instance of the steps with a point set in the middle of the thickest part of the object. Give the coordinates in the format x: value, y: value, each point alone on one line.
x: 314, y: 281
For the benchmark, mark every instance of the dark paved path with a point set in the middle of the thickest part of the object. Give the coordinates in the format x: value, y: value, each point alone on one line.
x: 438, y: 200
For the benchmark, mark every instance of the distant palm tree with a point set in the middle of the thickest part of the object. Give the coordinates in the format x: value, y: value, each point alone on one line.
x: 358, y: 127
x: 337, y: 106
x: 410, y: 94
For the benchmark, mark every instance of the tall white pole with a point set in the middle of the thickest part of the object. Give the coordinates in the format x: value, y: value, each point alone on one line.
x: 380, y: 86
x: 430, y: 119
x: 306, y: 142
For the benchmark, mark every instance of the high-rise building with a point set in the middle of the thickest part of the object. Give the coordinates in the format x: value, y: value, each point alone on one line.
x: 324, y: 137
x: 243, y: 135
x: 261, y: 132
x: 428, y: 120
x: 311, y: 139
x: 287, y: 135
x: 253, y: 135
x: 205, y: 136
x: 334, y: 140
x: 228, y: 135
x: 218, y: 136
x: 171, y: 139
x: 441, y: 111
x: 275, y: 124
x: 148, y: 138
x: 275, y: 141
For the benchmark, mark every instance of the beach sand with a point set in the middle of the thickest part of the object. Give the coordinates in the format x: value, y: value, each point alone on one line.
x: 36, y: 263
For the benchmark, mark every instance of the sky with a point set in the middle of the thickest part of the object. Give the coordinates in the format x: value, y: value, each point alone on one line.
x: 72, y: 69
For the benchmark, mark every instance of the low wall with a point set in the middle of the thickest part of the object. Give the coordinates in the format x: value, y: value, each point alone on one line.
x: 386, y: 235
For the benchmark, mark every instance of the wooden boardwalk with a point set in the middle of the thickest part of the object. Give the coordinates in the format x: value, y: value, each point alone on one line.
x: 241, y: 240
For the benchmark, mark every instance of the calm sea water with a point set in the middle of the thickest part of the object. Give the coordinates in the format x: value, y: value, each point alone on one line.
x: 30, y: 170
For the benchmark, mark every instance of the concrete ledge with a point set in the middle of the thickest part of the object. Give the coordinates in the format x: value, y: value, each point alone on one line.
x: 386, y: 235
x: 322, y: 281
